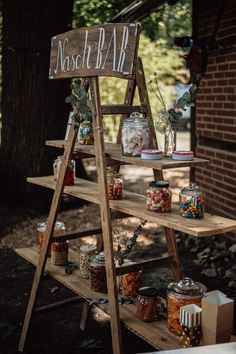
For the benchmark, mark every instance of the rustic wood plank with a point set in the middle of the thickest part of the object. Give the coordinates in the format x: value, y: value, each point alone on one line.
x: 173, y: 253
x: 49, y: 231
x: 76, y: 234
x: 151, y: 263
x: 122, y: 108
x: 155, y: 333
x: 134, y: 204
x: 103, y: 50
x: 106, y: 220
x: 84, y: 315
x: 58, y: 305
x: 114, y: 152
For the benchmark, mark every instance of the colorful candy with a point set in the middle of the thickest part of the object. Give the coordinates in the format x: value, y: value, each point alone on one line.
x: 158, y: 197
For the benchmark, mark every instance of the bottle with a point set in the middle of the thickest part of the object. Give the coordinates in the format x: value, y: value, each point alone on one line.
x: 86, y: 252
x: 115, y: 185
x: 147, y: 303
x: 192, y: 202
x: 70, y: 173
x: 86, y: 136
x: 158, y: 197
x: 135, y: 135
x: 59, y: 229
x: 181, y: 293
x: 98, y: 276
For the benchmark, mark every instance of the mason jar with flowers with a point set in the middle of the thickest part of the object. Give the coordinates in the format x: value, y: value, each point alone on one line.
x: 167, y: 121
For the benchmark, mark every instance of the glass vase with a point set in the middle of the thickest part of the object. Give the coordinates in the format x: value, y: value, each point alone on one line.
x: 169, y: 142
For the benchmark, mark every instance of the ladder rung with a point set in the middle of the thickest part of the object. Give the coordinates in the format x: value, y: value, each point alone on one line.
x: 123, y: 109
x: 129, y: 268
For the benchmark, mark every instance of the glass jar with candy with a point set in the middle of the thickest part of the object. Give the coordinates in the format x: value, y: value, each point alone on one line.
x: 115, y: 185
x: 158, y: 197
x: 192, y: 202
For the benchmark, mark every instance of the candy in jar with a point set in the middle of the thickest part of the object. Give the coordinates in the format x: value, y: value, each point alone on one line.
x: 184, y: 292
x: 147, y: 303
x: 158, y: 197
x: 191, y: 202
x: 135, y: 135
x: 59, y: 253
x: 130, y: 283
x: 86, y: 136
x: 59, y: 229
x: 86, y: 252
x: 98, y: 276
x: 70, y: 173
x: 115, y: 185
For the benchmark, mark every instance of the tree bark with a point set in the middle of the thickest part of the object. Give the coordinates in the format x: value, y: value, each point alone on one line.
x: 33, y: 107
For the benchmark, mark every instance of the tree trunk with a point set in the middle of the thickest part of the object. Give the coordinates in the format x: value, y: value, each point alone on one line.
x: 33, y: 107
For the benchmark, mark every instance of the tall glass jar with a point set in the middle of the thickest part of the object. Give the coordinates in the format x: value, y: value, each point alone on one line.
x: 181, y: 293
x: 192, y: 202
x: 147, y: 303
x: 86, y: 136
x: 59, y: 253
x: 135, y: 135
x: 59, y: 229
x: 86, y: 252
x: 98, y: 276
x: 130, y: 283
x: 70, y: 173
x: 115, y: 185
x: 158, y: 197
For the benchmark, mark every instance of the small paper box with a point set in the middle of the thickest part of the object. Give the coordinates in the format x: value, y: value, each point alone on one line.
x: 190, y: 316
x: 217, y: 317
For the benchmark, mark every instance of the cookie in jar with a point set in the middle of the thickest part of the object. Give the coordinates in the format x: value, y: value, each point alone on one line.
x: 158, y: 197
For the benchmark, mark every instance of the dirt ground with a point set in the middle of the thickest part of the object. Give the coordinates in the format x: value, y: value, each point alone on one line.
x: 58, y: 331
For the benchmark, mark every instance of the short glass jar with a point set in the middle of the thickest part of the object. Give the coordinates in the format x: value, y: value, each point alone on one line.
x: 70, y: 173
x: 115, y: 185
x: 135, y: 135
x: 192, y: 202
x: 86, y: 136
x: 147, y: 304
x: 98, y: 276
x: 181, y: 293
x: 130, y: 283
x: 158, y: 197
x: 86, y: 252
x: 59, y: 253
x: 59, y: 229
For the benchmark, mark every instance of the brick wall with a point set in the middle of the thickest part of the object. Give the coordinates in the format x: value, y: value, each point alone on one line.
x: 216, y: 109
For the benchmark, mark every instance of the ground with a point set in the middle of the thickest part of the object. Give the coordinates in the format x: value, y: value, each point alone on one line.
x: 58, y: 331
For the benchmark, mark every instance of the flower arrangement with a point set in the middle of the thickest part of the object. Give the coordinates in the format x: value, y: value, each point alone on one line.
x: 81, y: 104
x: 168, y: 118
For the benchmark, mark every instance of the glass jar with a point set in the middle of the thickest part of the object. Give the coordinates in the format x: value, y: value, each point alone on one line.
x: 147, y: 303
x: 130, y: 283
x: 86, y: 136
x: 184, y: 292
x: 115, y: 185
x: 86, y: 252
x: 98, y: 276
x: 59, y: 253
x: 192, y: 202
x: 59, y: 229
x: 70, y: 173
x: 158, y: 197
x: 135, y: 135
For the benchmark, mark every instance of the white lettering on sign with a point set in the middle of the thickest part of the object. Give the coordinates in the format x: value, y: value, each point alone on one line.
x: 99, y: 48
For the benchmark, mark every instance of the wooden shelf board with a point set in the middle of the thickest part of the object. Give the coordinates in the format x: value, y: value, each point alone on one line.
x: 155, y: 333
x: 134, y: 204
x: 114, y: 152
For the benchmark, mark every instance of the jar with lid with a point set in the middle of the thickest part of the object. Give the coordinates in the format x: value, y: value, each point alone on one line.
x: 192, y: 202
x: 59, y: 229
x: 70, y: 173
x: 59, y: 253
x: 135, y: 135
x: 86, y: 252
x: 98, y: 276
x: 86, y: 136
x: 181, y: 293
x: 147, y: 304
x: 130, y: 283
x: 158, y: 197
x: 115, y: 185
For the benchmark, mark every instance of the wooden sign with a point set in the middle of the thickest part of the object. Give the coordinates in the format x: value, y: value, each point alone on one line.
x: 104, y: 50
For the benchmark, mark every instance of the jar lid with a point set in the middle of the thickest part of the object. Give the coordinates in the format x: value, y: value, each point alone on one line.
x: 88, y: 248
x: 148, y: 291
x: 159, y: 184
x: 187, y: 287
x: 193, y: 188
x: 98, y: 260
x: 152, y: 152
x: 59, y: 225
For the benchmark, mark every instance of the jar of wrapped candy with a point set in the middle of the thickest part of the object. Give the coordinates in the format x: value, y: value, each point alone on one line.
x: 147, y: 304
x: 86, y: 252
x: 192, y: 202
x: 135, y: 135
x: 98, y: 276
x: 181, y: 293
x: 59, y: 229
x: 70, y: 173
x: 59, y: 253
x: 115, y: 185
x: 86, y: 136
x: 158, y: 197
x: 130, y: 283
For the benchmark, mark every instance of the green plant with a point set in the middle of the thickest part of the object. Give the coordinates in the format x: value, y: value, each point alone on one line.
x: 80, y: 102
x: 168, y: 118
